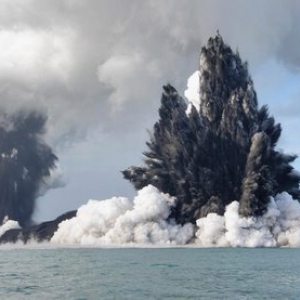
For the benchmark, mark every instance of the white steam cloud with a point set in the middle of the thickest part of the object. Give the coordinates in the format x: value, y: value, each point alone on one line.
x: 279, y: 226
x: 192, y: 93
x: 8, y: 225
x: 119, y: 222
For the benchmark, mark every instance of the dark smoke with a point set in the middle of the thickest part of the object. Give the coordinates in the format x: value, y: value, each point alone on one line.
x: 222, y: 153
x: 25, y: 160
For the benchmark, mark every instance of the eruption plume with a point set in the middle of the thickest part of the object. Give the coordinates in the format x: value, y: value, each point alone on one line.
x: 25, y: 160
x: 218, y: 149
x: 212, y: 175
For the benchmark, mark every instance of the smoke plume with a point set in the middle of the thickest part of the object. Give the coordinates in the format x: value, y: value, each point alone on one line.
x: 222, y: 150
x: 25, y: 161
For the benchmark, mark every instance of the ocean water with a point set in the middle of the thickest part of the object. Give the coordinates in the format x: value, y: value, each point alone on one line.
x: 149, y: 273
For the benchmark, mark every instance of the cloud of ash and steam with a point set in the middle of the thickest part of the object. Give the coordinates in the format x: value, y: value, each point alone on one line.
x: 146, y: 219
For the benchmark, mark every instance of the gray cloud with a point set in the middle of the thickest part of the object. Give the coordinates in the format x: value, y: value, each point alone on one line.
x: 96, y: 61
x: 91, y: 60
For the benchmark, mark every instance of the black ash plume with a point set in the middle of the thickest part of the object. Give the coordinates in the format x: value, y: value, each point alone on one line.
x: 25, y: 160
x: 220, y: 152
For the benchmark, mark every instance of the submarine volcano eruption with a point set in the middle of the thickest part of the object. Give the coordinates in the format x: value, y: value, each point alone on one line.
x: 212, y: 175
x: 220, y: 147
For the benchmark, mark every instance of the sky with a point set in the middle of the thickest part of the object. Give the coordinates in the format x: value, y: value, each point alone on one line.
x: 97, y: 69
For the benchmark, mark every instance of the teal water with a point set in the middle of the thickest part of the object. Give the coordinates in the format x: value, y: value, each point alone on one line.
x: 167, y: 273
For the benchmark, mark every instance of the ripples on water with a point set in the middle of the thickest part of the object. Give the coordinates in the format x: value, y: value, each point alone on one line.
x: 157, y: 273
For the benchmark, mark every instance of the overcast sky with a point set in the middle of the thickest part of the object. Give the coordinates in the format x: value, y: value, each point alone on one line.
x: 96, y: 67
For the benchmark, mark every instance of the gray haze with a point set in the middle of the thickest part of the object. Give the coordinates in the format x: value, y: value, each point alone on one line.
x: 97, y: 67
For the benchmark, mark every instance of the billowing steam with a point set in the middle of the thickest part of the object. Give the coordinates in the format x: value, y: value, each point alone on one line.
x: 25, y: 161
x: 121, y: 221
x: 145, y: 221
x: 220, y: 151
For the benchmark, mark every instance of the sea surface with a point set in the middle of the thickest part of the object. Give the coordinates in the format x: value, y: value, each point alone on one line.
x: 149, y: 273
